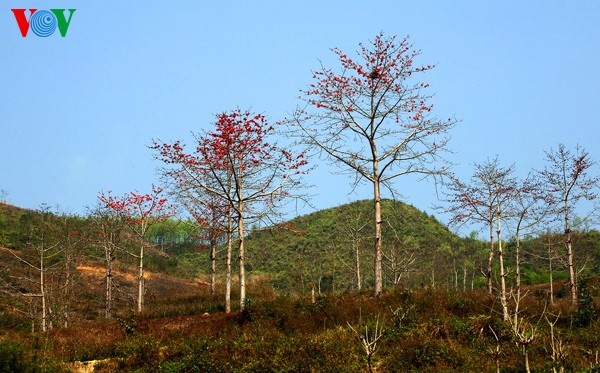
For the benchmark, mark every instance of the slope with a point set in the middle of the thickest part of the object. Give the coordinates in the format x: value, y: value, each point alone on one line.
x: 323, y: 248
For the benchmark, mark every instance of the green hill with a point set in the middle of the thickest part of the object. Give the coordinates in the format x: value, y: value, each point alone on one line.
x: 321, y: 248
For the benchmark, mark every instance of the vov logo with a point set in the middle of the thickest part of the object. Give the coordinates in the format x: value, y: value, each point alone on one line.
x: 43, y: 23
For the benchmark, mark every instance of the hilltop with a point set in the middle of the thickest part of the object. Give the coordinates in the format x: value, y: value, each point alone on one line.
x: 321, y: 248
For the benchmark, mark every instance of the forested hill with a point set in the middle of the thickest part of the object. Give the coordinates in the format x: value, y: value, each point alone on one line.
x: 321, y: 248
x: 16, y: 223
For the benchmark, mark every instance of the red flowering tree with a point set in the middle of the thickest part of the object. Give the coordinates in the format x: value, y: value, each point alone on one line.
x: 140, y: 212
x: 237, y: 164
x: 567, y: 182
x: 373, y: 119
x: 108, y: 224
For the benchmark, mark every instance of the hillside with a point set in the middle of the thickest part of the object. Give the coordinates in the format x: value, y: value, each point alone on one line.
x: 431, y: 322
x: 321, y: 248
x: 13, y: 224
x: 74, y: 271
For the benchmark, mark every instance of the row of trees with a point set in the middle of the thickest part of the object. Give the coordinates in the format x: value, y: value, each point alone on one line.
x: 373, y: 118
x: 48, y: 248
x: 44, y: 250
x: 495, y: 196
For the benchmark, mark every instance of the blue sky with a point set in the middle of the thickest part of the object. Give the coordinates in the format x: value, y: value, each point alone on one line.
x: 77, y: 113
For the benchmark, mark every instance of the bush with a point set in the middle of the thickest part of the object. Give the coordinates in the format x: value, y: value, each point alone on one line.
x: 142, y: 351
x: 12, y: 358
x: 586, y: 310
x: 16, y: 357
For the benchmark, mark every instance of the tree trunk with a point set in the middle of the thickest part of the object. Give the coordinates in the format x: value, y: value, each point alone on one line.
x: 228, y: 265
x: 378, y: 251
x: 518, y: 263
x: 140, y: 300
x: 464, y: 276
x: 569, y: 247
x: 213, y: 265
x: 572, y: 278
x: 109, y: 285
x: 242, y: 274
x: 503, y: 299
x: 488, y: 274
x: 455, y: 274
x: 527, y: 369
x: 358, y: 273
x: 551, y: 274
x: 67, y: 290
x: 43, y: 291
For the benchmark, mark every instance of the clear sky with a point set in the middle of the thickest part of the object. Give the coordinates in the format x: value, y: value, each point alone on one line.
x: 77, y: 113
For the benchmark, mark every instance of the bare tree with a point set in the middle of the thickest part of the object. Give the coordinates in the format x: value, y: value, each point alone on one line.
x: 108, y: 225
x: 567, y: 182
x: 400, y: 255
x: 371, y: 119
x: 529, y: 210
x: 523, y: 331
x: 559, y: 348
x: 370, y: 340
x: 211, y: 215
x: 353, y: 227
x: 43, y: 258
x: 485, y: 199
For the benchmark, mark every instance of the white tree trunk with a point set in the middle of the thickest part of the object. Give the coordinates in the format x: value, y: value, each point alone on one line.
x: 378, y: 250
x: 503, y: 299
x: 570, y: 264
x: 213, y: 265
x: 43, y: 291
x: 140, y: 300
x: 242, y: 274
x: 488, y: 274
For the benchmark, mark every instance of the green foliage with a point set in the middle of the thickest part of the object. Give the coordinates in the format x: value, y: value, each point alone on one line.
x: 142, y: 351
x: 129, y: 324
x: 12, y: 357
x: 586, y: 310
x: 173, y: 231
x: 15, y: 357
x: 319, y: 248
x: 11, y: 321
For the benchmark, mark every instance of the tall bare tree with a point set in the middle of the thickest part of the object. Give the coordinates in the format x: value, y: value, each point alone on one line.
x: 529, y: 210
x: 567, y: 183
x: 483, y: 200
x: 353, y: 227
x: 43, y: 259
x: 374, y: 120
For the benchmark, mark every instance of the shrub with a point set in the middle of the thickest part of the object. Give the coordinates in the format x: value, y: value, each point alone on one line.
x: 12, y: 358
x: 586, y: 310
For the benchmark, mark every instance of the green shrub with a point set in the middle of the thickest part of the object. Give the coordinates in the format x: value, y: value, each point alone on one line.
x: 142, y: 351
x: 12, y: 358
x: 586, y: 310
